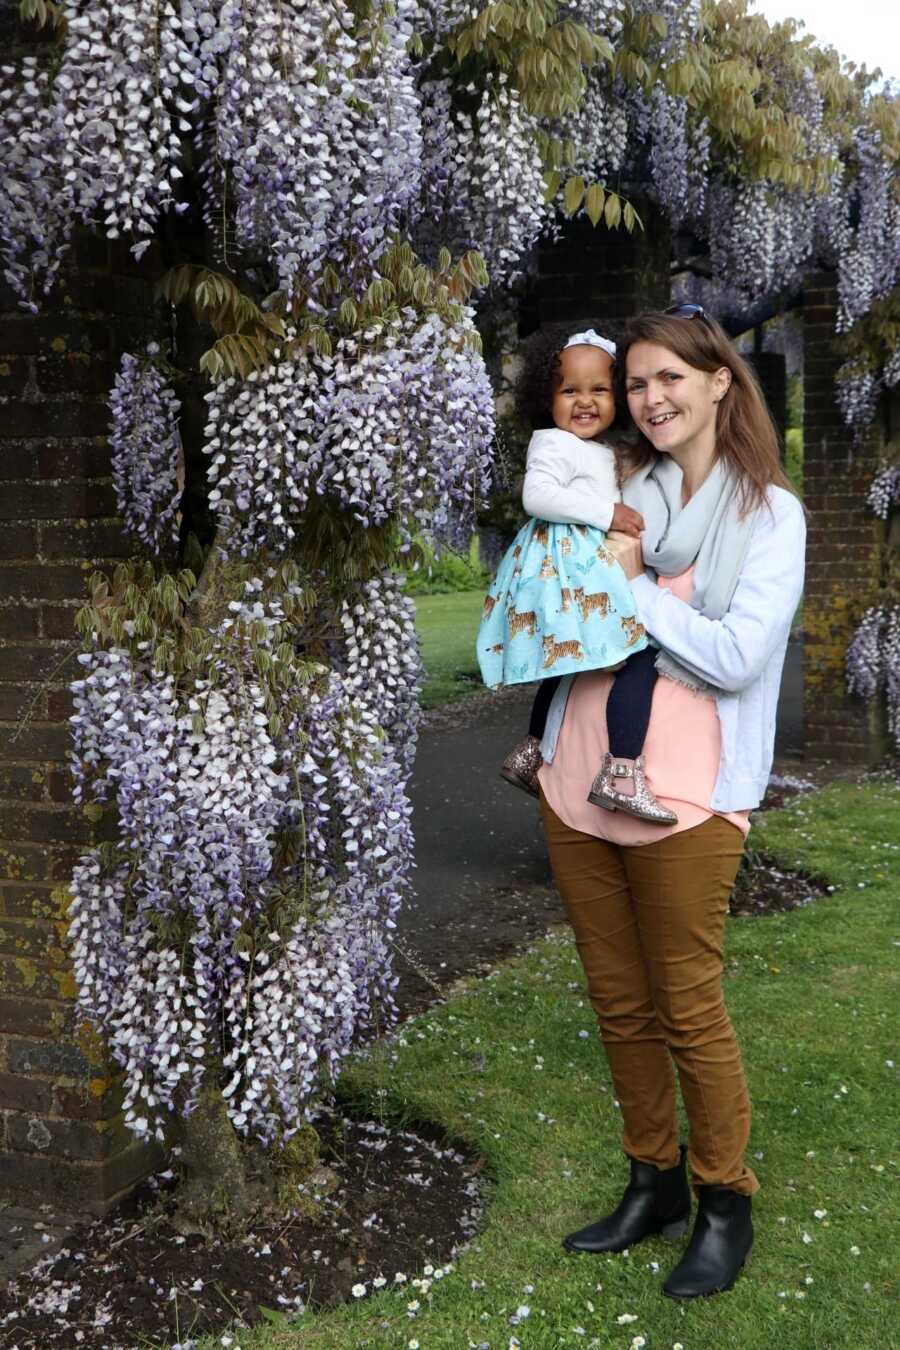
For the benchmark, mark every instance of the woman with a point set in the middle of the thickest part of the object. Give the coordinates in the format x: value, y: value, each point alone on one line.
x: 717, y: 576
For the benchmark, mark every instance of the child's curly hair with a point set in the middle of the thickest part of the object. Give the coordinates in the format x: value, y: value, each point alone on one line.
x: 536, y: 384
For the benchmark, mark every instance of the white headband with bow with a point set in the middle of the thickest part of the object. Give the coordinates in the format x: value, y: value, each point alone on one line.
x: 592, y: 339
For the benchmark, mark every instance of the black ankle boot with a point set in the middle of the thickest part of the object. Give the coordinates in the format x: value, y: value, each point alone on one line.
x: 720, y: 1245
x: 654, y: 1202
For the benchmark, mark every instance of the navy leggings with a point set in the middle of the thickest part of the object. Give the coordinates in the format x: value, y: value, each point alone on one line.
x: 627, y: 709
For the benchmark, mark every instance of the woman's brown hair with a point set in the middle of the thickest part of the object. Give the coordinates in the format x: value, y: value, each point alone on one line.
x: 745, y: 433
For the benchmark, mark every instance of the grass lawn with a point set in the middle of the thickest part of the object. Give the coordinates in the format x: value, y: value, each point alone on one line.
x: 447, y: 627
x: 512, y: 1065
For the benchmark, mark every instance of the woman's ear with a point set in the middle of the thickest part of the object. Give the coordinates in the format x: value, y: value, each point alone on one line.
x: 721, y: 383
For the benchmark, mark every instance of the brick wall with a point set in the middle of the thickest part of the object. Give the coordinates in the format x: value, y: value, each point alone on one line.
x: 60, y: 1135
x: 845, y: 553
x: 609, y: 273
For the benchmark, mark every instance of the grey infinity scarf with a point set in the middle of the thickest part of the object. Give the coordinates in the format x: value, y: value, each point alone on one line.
x: 707, y: 532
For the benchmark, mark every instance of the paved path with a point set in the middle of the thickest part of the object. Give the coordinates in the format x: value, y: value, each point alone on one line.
x: 473, y: 831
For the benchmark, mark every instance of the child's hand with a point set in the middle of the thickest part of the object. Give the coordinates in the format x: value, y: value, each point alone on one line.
x: 626, y: 520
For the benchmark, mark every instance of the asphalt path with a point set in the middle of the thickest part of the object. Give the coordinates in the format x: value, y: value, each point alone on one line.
x: 476, y: 834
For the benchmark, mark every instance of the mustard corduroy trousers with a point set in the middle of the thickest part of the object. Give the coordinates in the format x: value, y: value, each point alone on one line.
x: 648, y: 925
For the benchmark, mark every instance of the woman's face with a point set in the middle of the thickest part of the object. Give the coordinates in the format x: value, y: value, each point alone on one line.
x: 673, y: 403
x: 584, y: 402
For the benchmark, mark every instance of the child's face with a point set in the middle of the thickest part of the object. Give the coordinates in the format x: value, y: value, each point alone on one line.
x: 583, y: 402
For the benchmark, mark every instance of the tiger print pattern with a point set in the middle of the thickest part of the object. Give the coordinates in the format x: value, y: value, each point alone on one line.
x: 565, y: 596
x: 548, y: 571
x: 633, y: 630
x: 597, y: 603
x: 553, y: 650
x: 525, y: 622
x: 489, y: 603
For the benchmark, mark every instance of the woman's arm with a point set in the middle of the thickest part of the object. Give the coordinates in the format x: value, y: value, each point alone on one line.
x: 732, y: 652
x: 556, y: 488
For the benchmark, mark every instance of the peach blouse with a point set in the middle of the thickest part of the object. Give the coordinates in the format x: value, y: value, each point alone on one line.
x: 681, y: 754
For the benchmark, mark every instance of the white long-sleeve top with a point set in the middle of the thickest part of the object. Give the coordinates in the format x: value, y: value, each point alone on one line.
x: 570, y: 481
x: 742, y: 653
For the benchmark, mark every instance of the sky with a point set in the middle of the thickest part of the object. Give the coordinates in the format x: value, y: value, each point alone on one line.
x: 867, y: 32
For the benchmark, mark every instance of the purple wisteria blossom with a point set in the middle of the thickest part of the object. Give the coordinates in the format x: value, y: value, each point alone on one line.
x: 315, y: 130
x: 35, y: 203
x: 198, y: 943
x: 146, y: 445
x: 873, y: 661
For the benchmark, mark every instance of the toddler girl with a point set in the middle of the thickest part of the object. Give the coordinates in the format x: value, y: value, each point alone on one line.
x: 560, y: 602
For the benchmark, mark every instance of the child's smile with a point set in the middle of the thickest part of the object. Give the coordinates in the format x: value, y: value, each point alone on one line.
x: 584, y: 402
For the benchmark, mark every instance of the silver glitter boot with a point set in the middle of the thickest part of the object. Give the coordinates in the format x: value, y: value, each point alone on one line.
x: 605, y: 791
x: 521, y: 765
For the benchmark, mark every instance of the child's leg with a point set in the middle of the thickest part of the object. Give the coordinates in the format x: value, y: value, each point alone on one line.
x: 541, y: 706
x: 628, y: 706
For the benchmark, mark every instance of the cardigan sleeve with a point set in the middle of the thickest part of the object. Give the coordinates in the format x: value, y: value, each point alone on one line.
x: 558, y: 489
x: 732, y: 652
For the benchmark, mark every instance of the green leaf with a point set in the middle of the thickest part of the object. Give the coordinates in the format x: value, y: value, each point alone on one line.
x: 612, y: 212
x: 573, y: 195
x: 552, y: 183
x: 593, y: 203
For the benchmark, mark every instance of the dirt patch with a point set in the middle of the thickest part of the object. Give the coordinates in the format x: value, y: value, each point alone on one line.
x: 404, y: 1202
x: 765, y: 886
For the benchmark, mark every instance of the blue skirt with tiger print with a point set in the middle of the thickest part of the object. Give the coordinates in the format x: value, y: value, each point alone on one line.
x: 559, y: 604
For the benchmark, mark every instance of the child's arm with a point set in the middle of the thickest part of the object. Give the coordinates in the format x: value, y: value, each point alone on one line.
x: 556, y: 488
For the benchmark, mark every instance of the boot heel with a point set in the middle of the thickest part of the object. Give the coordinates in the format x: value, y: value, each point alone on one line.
x: 670, y: 1232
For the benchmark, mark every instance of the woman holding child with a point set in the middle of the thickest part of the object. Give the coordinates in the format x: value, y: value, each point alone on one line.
x: 645, y: 852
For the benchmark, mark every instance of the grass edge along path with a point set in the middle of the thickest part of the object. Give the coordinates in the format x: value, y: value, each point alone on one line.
x: 513, y: 1066
x: 447, y: 625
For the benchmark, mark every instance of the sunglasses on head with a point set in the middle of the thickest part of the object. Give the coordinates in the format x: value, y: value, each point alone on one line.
x: 687, y: 311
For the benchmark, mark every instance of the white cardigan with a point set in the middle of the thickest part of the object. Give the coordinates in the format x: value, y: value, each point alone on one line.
x: 742, y: 653
x: 568, y: 480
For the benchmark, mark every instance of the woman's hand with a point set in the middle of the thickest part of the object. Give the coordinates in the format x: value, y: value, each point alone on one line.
x: 627, y: 552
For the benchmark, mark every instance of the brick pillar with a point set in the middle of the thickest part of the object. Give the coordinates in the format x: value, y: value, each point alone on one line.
x: 610, y: 273
x: 845, y: 552
x: 60, y: 1135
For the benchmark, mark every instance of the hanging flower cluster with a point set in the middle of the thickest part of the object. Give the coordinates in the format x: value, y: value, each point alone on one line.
x: 206, y: 941
x: 484, y: 177
x: 599, y: 131
x: 316, y: 130
x: 35, y: 209
x: 679, y: 158
x: 396, y: 424
x: 381, y: 660
x: 125, y: 82
x: 873, y: 661
x: 884, y: 491
x: 145, y: 444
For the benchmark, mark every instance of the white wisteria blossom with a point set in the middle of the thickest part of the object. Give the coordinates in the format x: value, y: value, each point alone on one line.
x: 397, y: 424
